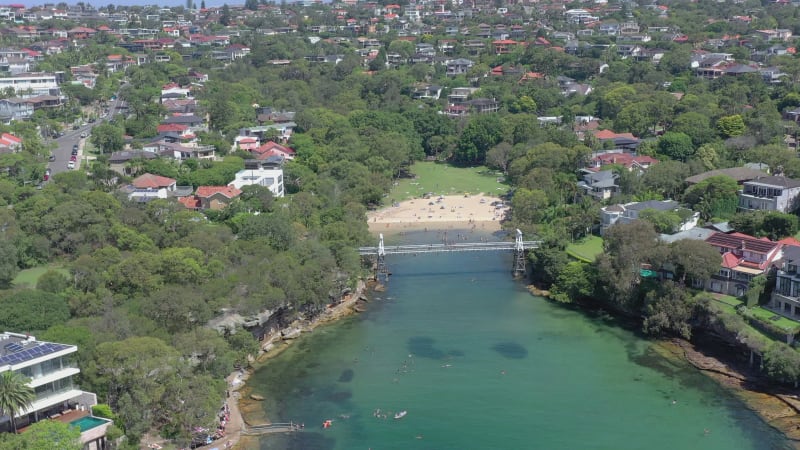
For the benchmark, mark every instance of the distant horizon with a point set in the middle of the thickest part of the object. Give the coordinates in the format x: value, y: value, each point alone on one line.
x: 104, y: 3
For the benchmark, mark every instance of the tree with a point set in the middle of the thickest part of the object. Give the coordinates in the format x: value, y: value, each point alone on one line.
x: 666, y: 178
x: 8, y: 262
x: 782, y: 363
x: 663, y: 221
x: 32, y: 310
x: 668, y: 310
x: 675, y: 145
x: 482, y: 133
x: 50, y: 434
x: 15, y: 395
x: 108, y: 138
x: 693, y: 260
x: 575, y: 282
x: 498, y: 156
x: 714, y: 197
x: 52, y: 281
x: 731, y: 126
x: 225, y: 17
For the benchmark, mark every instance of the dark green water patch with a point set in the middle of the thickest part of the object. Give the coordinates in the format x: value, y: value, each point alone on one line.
x: 510, y: 350
x: 423, y: 346
x: 346, y: 376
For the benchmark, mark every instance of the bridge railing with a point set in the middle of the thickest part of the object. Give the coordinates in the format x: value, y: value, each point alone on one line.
x: 454, y: 247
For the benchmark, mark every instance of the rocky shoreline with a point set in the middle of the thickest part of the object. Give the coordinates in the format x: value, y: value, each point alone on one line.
x: 779, y: 409
x: 275, y: 342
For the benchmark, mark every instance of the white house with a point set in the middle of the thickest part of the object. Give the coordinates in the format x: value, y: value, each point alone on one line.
x: 267, y: 173
x: 629, y: 212
x: 149, y: 187
x: 770, y: 193
x: 50, y: 368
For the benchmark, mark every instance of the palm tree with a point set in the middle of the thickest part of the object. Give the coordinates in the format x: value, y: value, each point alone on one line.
x: 15, y: 395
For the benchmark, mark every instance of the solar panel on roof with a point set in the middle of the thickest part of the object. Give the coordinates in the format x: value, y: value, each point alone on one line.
x: 13, y: 347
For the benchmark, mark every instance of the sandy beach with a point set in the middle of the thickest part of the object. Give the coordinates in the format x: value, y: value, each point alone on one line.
x: 439, y: 213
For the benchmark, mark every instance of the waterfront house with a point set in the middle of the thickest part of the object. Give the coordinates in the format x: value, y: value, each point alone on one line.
x: 743, y: 258
x: 629, y: 212
x: 50, y: 367
x: 785, y: 298
x: 770, y: 193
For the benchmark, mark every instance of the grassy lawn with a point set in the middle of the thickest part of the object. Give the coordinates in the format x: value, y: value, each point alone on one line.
x: 587, y: 249
x: 765, y: 315
x: 729, y: 304
x: 444, y: 179
x: 29, y: 277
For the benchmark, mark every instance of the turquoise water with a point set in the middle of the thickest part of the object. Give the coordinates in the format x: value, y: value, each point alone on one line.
x: 479, y: 363
x: 88, y: 422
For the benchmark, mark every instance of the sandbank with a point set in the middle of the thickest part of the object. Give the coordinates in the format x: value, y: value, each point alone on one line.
x: 449, y: 212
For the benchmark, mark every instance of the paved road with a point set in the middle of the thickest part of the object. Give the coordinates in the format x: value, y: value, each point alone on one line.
x: 63, y: 151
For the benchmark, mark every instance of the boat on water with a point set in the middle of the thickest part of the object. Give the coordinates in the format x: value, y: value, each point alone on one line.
x: 400, y: 415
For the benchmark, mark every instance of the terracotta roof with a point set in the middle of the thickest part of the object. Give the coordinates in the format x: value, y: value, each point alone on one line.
x: 208, y: 191
x: 271, y: 146
x: 171, y: 127
x: 741, y: 241
x: 150, y: 181
x: 729, y: 260
x: 190, y: 202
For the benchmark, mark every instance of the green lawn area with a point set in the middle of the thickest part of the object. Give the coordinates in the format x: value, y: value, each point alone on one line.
x: 444, y: 179
x: 765, y: 315
x: 29, y: 277
x: 729, y: 304
x: 587, y: 249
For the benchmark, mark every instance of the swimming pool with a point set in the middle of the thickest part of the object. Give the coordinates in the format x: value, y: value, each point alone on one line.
x: 88, y: 422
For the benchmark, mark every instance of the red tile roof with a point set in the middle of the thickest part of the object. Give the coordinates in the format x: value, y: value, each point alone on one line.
x: 273, y: 147
x: 150, y: 181
x: 190, y: 202
x: 741, y: 241
x: 171, y: 128
x: 608, y: 134
x: 208, y: 191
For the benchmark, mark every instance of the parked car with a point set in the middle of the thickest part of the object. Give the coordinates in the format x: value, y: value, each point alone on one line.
x: 52, y: 157
x: 83, y: 135
x: 46, y: 174
x: 73, y: 158
x: 71, y: 165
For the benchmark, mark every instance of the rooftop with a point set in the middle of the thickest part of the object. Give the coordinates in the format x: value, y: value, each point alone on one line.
x: 17, y: 348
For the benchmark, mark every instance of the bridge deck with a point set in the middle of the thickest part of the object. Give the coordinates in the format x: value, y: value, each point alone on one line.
x: 442, y: 248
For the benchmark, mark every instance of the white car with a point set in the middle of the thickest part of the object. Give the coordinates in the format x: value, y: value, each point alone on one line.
x: 71, y: 165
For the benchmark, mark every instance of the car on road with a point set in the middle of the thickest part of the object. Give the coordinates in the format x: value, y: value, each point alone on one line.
x: 83, y: 135
x: 73, y: 158
x: 71, y: 165
x: 52, y: 157
x: 77, y: 126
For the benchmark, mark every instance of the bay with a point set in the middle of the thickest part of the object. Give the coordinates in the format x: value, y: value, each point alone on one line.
x: 478, y: 363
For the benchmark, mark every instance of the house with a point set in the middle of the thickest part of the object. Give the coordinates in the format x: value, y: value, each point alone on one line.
x: 429, y: 91
x: 216, y: 197
x: 118, y: 161
x: 629, y: 212
x: 192, y: 122
x: 149, y: 187
x: 50, y: 367
x: 770, y: 193
x: 270, y: 149
x: 785, y: 298
x: 740, y: 174
x: 15, y: 109
x: 743, y: 258
x: 458, y: 67
x: 600, y: 185
x: 268, y: 173
x: 31, y: 84
x: 626, y: 141
x: 626, y: 160
x: 246, y: 143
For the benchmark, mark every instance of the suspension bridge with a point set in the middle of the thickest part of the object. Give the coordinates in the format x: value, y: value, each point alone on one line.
x: 519, y: 246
